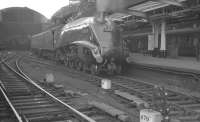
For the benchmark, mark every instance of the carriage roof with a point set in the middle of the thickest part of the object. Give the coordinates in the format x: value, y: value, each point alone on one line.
x: 53, y: 28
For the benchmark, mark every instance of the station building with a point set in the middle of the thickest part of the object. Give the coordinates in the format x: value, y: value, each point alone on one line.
x: 169, y: 30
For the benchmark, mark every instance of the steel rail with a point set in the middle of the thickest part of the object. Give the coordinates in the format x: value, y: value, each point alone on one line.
x: 6, y: 58
x: 9, y: 102
x: 174, y: 105
x: 172, y: 71
x: 195, y: 75
x: 24, y: 76
x: 2, y: 88
x: 118, y: 76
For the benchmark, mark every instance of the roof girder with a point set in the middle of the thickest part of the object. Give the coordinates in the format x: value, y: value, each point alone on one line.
x: 170, y: 2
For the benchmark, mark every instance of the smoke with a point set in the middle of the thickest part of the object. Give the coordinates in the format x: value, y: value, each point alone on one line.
x: 114, y: 5
x: 109, y: 5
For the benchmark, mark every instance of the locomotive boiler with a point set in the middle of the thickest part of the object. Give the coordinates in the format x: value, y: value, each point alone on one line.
x: 84, y: 44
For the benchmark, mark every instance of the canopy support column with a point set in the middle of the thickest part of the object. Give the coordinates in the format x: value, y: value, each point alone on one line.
x: 163, y: 39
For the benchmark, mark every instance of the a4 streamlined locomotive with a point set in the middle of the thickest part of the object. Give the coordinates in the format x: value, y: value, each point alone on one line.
x: 84, y: 44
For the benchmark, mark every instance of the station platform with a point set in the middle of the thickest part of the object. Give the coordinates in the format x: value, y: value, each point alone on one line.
x: 184, y: 64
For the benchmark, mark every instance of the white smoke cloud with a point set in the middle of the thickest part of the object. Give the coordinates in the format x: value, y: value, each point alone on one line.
x: 113, y: 5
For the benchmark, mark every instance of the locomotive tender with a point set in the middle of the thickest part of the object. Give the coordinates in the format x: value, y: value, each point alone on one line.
x: 84, y: 44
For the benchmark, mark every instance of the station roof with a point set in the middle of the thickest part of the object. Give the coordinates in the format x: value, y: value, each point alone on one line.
x: 22, y: 14
x: 141, y: 7
x: 149, y: 5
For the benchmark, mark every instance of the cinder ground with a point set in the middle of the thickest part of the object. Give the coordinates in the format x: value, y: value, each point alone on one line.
x: 38, y: 72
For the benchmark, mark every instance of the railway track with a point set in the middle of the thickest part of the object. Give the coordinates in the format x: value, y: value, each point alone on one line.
x: 7, y: 113
x: 194, y: 75
x: 35, y: 102
x: 176, y: 77
x: 185, y: 108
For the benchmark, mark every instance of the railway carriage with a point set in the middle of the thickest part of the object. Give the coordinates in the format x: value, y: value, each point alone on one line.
x: 84, y: 44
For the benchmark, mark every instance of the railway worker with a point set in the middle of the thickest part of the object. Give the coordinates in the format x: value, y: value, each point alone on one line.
x: 196, y: 44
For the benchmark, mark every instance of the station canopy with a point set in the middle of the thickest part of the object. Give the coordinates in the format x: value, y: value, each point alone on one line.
x: 149, y: 5
x: 139, y: 8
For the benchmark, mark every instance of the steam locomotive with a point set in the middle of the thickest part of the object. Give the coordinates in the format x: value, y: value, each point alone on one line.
x: 84, y: 44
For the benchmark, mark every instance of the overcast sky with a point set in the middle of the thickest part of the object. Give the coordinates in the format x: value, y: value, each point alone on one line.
x: 45, y: 7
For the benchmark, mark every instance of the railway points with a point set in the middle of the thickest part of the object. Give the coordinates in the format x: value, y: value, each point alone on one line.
x: 101, y: 61
x: 143, y: 91
x: 28, y: 98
